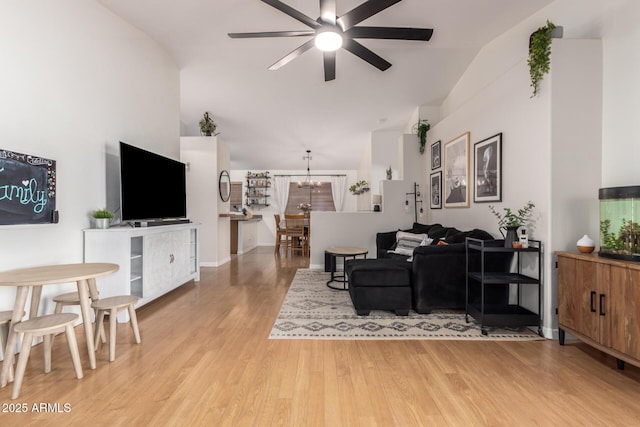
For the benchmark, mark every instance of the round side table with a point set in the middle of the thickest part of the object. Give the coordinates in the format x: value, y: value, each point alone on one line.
x: 343, y: 252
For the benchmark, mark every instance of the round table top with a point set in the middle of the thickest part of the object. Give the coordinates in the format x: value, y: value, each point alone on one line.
x: 58, y: 273
x: 347, y: 250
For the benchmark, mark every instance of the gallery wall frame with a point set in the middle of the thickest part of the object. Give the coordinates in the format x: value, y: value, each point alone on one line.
x: 435, y: 190
x: 436, y: 155
x: 456, y: 172
x: 487, y: 169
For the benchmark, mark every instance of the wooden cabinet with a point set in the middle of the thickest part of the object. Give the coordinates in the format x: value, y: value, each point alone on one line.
x: 598, y: 303
x: 152, y: 260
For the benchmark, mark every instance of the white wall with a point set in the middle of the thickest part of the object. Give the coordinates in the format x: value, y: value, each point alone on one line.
x: 493, y: 96
x: 206, y: 157
x: 360, y: 228
x: 75, y: 79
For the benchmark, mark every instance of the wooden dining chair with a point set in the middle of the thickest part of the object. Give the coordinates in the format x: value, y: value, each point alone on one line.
x: 307, y: 233
x: 281, y: 236
x: 294, y: 231
x: 5, y: 322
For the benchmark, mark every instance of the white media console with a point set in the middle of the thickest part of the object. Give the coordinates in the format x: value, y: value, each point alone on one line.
x: 152, y: 260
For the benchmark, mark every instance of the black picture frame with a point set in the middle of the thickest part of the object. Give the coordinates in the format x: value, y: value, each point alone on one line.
x: 435, y: 190
x: 456, y: 192
x: 487, y: 170
x: 436, y: 155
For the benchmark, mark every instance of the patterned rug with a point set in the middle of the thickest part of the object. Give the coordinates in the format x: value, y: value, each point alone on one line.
x: 311, y: 310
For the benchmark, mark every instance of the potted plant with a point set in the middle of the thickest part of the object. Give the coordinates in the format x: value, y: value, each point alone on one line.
x: 422, y: 129
x: 102, y: 218
x: 539, y: 60
x: 389, y: 172
x: 359, y: 187
x: 510, y: 221
x: 207, y: 125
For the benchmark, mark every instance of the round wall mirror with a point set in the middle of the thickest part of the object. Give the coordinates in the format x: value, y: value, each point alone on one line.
x: 224, y: 186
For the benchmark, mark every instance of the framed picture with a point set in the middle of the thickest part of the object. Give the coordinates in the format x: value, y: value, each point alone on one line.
x: 435, y: 155
x: 487, y: 170
x: 456, y: 172
x: 436, y: 190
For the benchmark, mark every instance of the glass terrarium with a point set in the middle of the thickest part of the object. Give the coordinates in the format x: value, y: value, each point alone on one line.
x: 619, y: 222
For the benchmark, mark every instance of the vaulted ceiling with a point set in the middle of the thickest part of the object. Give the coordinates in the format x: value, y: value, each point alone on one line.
x: 269, y: 118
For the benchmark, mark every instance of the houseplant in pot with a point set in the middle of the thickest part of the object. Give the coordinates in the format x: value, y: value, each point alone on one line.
x: 511, y: 220
x: 207, y: 125
x: 102, y: 218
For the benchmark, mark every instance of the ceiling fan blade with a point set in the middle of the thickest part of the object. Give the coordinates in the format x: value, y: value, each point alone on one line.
x: 358, y: 50
x: 391, y: 33
x: 293, y: 55
x: 272, y: 34
x: 295, y: 14
x: 329, y: 66
x: 328, y: 11
x: 362, y: 12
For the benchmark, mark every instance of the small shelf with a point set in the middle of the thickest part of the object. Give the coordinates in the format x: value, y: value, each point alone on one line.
x: 258, y: 185
x: 502, y: 314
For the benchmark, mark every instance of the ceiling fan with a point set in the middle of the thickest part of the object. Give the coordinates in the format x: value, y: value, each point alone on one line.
x: 331, y: 32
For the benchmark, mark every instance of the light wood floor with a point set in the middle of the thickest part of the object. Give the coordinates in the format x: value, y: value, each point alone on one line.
x: 205, y: 360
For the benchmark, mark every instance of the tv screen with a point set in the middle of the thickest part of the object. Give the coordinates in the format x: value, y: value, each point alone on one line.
x: 151, y: 186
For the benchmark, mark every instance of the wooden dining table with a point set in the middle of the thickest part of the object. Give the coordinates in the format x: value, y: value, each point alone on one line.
x: 34, y: 278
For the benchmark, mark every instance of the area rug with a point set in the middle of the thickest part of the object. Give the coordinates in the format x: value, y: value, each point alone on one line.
x: 311, y: 310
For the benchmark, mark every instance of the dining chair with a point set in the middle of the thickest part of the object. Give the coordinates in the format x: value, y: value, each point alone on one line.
x: 294, y: 231
x: 5, y: 320
x: 307, y: 232
x: 69, y: 299
x: 280, y: 233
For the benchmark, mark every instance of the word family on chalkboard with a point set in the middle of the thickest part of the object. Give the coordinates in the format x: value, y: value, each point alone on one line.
x: 27, y: 189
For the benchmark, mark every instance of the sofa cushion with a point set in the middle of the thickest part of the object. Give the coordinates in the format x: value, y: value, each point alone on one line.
x: 407, y: 242
x: 439, y: 233
x: 424, y: 228
x: 461, y: 236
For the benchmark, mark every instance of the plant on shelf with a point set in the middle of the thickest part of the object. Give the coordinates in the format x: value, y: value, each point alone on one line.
x: 513, y: 219
x: 510, y: 221
x: 102, y: 214
x: 359, y: 187
x: 422, y: 129
x: 102, y: 218
x: 207, y: 125
x: 539, y: 60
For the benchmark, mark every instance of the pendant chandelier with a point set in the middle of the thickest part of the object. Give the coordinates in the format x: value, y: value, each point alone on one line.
x: 308, y: 182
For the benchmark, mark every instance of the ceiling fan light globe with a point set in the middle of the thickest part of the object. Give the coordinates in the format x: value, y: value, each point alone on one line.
x: 328, y: 41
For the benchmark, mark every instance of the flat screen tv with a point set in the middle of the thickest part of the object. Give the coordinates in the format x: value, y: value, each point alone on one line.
x: 152, y: 187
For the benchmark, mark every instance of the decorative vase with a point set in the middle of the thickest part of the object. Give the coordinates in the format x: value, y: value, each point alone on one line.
x: 511, y: 236
x: 102, y: 223
x: 586, y: 245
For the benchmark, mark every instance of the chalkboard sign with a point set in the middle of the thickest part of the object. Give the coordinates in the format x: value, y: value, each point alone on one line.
x: 27, y: 189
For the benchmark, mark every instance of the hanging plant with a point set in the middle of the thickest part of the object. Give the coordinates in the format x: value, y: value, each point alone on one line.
x: 422, y: 128
x: 539, y: 60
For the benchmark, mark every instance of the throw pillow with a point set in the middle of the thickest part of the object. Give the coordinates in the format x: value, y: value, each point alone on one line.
x: 407, y: 242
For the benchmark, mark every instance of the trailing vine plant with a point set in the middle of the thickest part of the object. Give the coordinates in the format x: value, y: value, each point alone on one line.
x: 539, y: 60
x: 423, y: 127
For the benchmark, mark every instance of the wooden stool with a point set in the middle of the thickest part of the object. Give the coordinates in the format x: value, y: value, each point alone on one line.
x: 5, y: 319
x: 112, y: 305
x: 70, y: 298
x: 45, y: 326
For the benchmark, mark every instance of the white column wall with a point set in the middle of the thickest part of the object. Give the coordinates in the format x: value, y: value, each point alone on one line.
x: 76, y: 79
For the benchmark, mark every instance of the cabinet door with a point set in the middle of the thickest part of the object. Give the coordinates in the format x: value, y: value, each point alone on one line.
x: 623, y: 314
x: 157, y: 264
x: 181, y: 260
x: 577, y: 296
